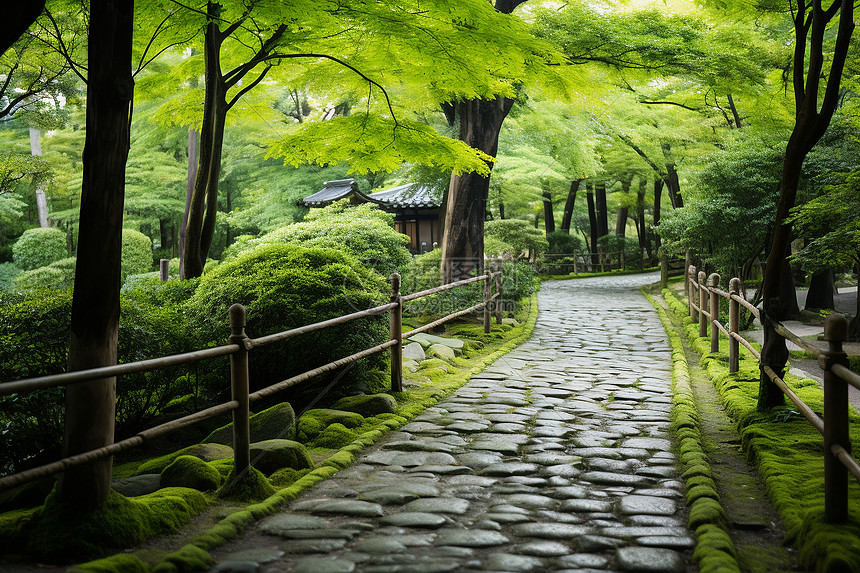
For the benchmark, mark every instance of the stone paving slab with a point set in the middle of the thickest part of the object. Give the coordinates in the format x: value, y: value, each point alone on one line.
x: 556, y: 458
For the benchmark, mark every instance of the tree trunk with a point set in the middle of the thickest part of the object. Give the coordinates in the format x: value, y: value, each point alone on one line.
x: 501, y: 209
x: 463, y: 238
x: 204, y: 199
x: 658, y: 198
x: 820, y: 293
x: 568, y: 205
x: 41, y: 199
x: 674, y: 186
x: 90, y: 406
x: 621, y: 221
x: 189, y: 192
x: 592, y: 225
x: 734, y: 109
x: 548, y: 215
x: 602, y: 215
x: 643, y: 231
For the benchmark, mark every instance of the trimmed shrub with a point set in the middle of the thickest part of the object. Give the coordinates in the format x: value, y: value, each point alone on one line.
x: 58, y: 275
x: 284, y: 286
x: 518, y: 233
x: 561, y: 243
x: 136, y: 253
x: 8, y: 272
x: 363, y: 231
x: 39, y: 247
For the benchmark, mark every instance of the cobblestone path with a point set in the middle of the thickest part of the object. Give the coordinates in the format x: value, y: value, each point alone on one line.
x: 556, y: 458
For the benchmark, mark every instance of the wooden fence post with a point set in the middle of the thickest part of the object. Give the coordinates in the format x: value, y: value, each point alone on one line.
x: 487, y: 302
x: 239, y: 385
x: 691, y: 289
x: 714, y: 282
x: 396, y: 330
x: 703, y: 300
x: 164, y: 269
x: 835, y: 420
x: 499, y: 306
x: 734, y: 325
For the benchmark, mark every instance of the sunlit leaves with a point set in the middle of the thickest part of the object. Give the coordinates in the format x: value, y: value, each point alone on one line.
x: 374, y: 143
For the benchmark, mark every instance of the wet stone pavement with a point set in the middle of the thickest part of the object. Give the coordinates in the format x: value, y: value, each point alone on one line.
x: 556, y: 458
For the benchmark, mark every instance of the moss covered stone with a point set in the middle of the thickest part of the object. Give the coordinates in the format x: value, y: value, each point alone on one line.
x: 125, y: 562
x: 206, y: 452
x: 271, y: 424
x: 187, y: 560
x: 367, y: 405
x: 188, y: 471
x: 313, y: 422
x: 335, y: 437
x: 60, y: 533
x: 28, y: 495
x: 250, y: 486
x: 271, y: 455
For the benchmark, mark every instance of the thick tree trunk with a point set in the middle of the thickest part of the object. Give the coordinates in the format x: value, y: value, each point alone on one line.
x: 658, y: 199
x: 501, y: 210
x: 548, y: 215
x: 621, y: 221
x: 95, y: 305
x: 463, y: 239
x: 189, y: 192
x: 569, y: 205
x: 204, y: 200
x: 600, y: 205
x: 644, y: 232
x: 463, y: 230
x: 592, y: 226
x: 820, y: 293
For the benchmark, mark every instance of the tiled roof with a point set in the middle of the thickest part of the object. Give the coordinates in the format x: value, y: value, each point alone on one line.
x: 332, y: 191
x: 411, y: 195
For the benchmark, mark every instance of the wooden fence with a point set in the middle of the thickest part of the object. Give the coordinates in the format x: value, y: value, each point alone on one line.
x: 238, y: 347
x: 833, y: 361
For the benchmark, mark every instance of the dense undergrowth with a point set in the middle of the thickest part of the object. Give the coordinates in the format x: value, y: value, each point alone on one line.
x: 787, y: 451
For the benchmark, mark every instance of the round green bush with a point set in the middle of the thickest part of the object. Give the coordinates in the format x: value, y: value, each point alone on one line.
x: 562, y: 243
x: 136, y: 253
x: 58, y: 275
x: 284, y: 286
x: 363, y: 231
x: 39, y: 247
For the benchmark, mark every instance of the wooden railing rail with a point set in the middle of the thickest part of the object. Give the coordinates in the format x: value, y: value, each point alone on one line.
x: 833, y: 362
x: 238, y: 347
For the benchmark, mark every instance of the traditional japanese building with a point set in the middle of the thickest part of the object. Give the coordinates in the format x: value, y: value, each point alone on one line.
x: 416, y: 208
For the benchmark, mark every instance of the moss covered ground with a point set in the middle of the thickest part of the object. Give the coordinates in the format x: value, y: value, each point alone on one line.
x: 786, y: 450
x: 334, y: 447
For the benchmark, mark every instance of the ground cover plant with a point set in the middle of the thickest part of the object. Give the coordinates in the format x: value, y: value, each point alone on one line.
x: 787, y: 451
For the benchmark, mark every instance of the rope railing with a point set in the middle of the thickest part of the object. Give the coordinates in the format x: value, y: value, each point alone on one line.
x: 833, y: 362
x: 237, y: 349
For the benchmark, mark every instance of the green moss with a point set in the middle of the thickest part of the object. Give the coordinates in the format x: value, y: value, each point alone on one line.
x: 270, y: 424
x: 313, y: 422
x: 206, y: 452
x: 127, y: 563
x: 187, y: 560
x: 60, y: 532
x: 250, y: 486
x: 271, y: 455
x: 334, y: 436
x: 698, y: 491
x: 286, y: 476
x: 367, y: 405
x: 188, y: 471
